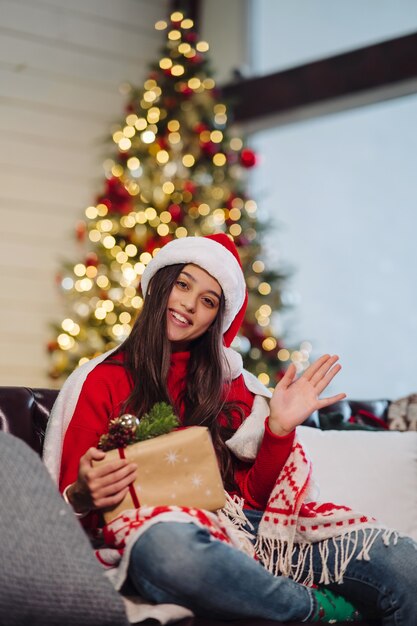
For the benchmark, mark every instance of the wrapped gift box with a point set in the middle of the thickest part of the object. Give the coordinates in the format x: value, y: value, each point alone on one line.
x: 179, y: 468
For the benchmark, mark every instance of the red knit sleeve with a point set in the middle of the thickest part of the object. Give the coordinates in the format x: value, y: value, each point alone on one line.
x: 255, y: 481
x: 101, y: 397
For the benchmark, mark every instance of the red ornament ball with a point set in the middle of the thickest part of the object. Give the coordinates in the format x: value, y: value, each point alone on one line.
x: 116, y: 197
x: 162, y: 143
x: 91, y: 260
x: 186, y: 91
x: 200, y: 127
x: 190, y: 36
x: 164, y: 240
x: 150, y: 245
x: 80, y: 230
x: 229, y: 201
x: 196, y: 59
x: 190, y: 187
x: 209, y: 148
x: 176, y: 213
x: 247, y: 158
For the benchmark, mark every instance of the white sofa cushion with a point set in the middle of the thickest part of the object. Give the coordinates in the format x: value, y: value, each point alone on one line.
x: 372, y: 472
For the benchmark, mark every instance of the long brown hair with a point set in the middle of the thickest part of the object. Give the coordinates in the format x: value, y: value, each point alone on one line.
x: 148, y: 356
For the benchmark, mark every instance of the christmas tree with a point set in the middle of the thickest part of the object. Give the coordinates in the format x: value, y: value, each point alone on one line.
x: 175, y: 170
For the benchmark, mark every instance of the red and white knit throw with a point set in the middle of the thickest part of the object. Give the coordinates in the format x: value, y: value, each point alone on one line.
x: 121, y: 533
x: 290, y: 517
x: 291, y: 524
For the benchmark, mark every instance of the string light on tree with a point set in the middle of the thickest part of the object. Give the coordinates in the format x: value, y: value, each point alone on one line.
x: 175, y: 169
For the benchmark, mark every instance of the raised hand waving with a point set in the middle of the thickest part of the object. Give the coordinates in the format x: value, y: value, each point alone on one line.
x: 294, y: 399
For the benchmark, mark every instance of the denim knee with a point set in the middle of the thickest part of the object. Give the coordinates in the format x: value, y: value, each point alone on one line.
x: 168, y: 555
x: 181, y: 563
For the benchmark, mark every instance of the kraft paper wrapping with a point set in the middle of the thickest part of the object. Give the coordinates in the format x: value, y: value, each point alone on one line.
x: 179, y: 468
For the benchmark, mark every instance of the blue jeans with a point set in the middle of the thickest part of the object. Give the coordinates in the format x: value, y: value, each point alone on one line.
x: 181, y: 564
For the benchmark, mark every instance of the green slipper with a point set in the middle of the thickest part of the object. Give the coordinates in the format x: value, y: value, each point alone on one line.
x: 332, y: 608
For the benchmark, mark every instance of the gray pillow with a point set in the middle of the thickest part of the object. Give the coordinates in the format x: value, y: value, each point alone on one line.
x: 48, y: 573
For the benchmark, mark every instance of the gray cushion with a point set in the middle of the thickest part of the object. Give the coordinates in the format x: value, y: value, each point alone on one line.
x: 48, y: 573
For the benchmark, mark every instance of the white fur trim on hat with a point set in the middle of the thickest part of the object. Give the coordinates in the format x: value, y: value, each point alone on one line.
x: 211, y: 256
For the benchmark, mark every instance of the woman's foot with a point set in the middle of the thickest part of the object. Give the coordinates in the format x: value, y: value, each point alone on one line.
x: 332, y: 608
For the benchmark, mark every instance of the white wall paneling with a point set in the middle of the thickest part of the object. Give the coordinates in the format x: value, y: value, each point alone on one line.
x: 61, y: 65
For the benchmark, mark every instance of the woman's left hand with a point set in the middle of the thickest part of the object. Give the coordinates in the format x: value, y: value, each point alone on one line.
x: 294, y: 399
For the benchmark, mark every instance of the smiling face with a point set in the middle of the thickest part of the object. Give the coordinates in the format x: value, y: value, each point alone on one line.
x: 192, y: 306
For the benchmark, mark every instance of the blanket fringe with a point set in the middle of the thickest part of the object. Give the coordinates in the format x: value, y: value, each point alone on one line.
x: 237, y: 524
x: 233, y: 510
x: 296, y: 560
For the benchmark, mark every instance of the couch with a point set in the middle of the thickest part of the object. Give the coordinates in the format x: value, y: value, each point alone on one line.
x: 348, y: 461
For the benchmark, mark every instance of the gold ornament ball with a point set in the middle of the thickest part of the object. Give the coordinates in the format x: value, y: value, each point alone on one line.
x: 129, y: 421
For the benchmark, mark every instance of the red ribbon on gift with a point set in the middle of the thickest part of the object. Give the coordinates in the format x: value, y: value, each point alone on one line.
x: 132, y: 489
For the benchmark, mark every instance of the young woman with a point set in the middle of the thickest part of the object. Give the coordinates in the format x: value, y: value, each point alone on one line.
x: 195, y: 300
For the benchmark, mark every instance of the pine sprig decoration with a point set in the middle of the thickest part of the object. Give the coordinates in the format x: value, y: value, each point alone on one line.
x: 159, y: 421
x: 128, y: 429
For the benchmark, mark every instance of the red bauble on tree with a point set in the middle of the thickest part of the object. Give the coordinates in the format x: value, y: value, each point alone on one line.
x: 247, y: 158
x: 116, y: 197
x: 191, y: 37
x: 209, y: 148
x: 190, y: 187
x: 176, y: 213
x: 242, y: 241
x: 91, y: 260
x: 200, y: 127
x: 80, y: 230
x: 162, y: 143
x: 51, y: 346
x: 162, y: 241
x: 196, y: 59
x: 186, y: 91
x: 151, y: 244
x: 229, y: 201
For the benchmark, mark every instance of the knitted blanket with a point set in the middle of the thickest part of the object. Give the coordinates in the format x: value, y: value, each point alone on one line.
x: 289, y: 524
x: 292, y: 523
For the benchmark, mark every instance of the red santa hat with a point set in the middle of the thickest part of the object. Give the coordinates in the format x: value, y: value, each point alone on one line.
x: 218, y: 255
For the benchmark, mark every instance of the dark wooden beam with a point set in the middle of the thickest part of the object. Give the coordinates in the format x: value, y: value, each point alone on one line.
x: 363, y: 76
x: 191, y: 9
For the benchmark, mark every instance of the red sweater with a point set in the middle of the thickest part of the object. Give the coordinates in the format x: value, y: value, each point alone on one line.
x: 104, y: 392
